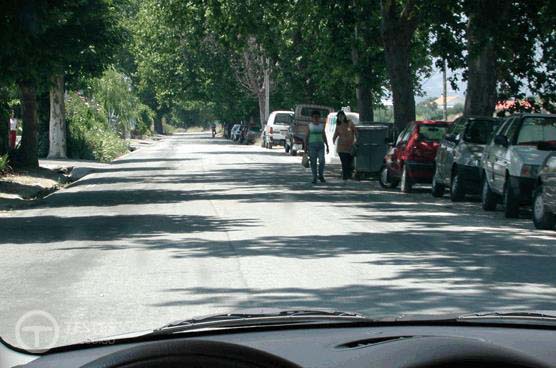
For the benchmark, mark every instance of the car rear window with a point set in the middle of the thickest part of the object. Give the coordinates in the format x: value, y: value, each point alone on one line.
x: 480, y: 131
x: 285, y: 119
x: 537, y: 129
x: 432, y: 133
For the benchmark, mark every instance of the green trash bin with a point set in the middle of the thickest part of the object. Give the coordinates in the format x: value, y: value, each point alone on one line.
x: 371, y: 147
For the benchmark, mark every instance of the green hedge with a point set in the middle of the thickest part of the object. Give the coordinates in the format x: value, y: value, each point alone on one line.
x: 89, y: 136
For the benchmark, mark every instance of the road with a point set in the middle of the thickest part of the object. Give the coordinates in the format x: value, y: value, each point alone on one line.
x: 193, y: 225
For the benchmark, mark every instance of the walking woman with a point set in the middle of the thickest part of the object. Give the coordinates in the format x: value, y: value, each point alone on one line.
x: 315, y: 142
x: 346, y: 135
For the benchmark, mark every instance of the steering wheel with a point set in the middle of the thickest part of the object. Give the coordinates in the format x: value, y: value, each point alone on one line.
x: 190, y: 354
x: 447, y: 352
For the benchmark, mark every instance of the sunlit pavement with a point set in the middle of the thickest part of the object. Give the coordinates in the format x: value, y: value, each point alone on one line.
x: 194, y: 225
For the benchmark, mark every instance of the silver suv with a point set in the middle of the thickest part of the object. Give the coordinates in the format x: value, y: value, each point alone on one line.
x: 458, y: 159
x: 512, y: 159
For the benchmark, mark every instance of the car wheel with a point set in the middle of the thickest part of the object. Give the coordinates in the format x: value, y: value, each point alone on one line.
x: 542, y: 217
x: 293, y: 152
x: 384, y: 179
x: 438, y: 189
x: 406, y: 181
x: 457, y: 192
x: 511, y: 203
x: 489, y: 199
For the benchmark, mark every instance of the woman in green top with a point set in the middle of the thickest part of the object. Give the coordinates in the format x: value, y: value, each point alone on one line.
x: 315, y: 142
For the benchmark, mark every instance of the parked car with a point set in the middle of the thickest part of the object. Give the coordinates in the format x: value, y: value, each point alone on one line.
x: 276, y: 128
x: 249, y: 134
x: 236, y: 129
x: 411, y: 159
x: 458, y: 160
x: 544, y: 201
x: 295, y: 139
x: 512, y: 159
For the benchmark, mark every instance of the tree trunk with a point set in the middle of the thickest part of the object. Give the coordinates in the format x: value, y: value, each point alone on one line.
x: 27, y: 155
x: 163, y: 122
x: 57, y: 126
x: 481, y: 94
x: 397, y: 32
x: 481, y: 82
x: 403, y: 96
x: 362, y: 84
x: 262, y: 108
x: 266, y: 92
x: 158, y: 128
x: 364, y: 100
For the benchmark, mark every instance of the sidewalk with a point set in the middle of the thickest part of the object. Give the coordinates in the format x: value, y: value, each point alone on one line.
x: 24, y: 187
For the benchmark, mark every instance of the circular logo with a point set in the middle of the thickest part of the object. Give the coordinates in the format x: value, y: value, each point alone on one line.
x: 37, y: 331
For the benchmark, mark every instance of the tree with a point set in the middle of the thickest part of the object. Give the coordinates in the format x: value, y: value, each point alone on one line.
x: 486, y: 20
x: 252, y: 69
x: 183, y: 63
x: 505, y: 47
x: 80, y: 44
x: 38, y: 39
x: 399, y: 23
x: 367, y: 57
x: 114, y: 92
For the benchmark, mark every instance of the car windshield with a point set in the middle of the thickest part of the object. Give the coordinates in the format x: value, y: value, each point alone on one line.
x: 480, y: 131
x: 432, y: 133
x: 142, y: 179
x: 536, y: 130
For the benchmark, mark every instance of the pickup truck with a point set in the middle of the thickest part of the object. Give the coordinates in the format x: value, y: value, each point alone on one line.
x: 295, y: 138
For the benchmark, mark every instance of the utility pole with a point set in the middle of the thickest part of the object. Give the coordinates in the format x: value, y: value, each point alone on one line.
x: 445, y: 90
x: 267, y: 90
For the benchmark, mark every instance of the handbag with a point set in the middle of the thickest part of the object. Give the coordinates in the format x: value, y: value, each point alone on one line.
x: 305, y: 161
x: 354, y: 150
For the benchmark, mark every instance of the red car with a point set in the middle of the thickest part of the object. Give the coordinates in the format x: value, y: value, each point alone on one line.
x: 411, y: 160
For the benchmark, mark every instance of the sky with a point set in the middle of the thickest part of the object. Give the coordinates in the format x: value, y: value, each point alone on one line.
x: 432, y: 86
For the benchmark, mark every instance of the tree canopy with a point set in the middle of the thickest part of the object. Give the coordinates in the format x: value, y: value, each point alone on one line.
x: 217, y: 60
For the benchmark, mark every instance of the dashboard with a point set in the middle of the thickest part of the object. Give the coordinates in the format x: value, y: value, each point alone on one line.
x: 373, y: 346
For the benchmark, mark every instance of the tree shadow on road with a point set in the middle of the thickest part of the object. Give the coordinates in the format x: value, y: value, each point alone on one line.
x: 368, y: 299
x: 433, y: 269
x: 48, y: 229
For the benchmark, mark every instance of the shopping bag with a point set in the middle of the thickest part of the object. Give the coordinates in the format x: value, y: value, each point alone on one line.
x: 305, y: 161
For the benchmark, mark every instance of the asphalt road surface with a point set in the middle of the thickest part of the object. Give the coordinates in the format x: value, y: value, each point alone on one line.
x: 194, y: 225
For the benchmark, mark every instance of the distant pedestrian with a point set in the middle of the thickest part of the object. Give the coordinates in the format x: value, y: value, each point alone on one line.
x: 315, y: 142
x: 346, y: 135
x: 13, y: 131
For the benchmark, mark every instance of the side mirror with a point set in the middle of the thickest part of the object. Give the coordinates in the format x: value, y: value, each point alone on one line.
x: 501, y: 140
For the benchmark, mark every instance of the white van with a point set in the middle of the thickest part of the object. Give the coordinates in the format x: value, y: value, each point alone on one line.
x: 276, y: 128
